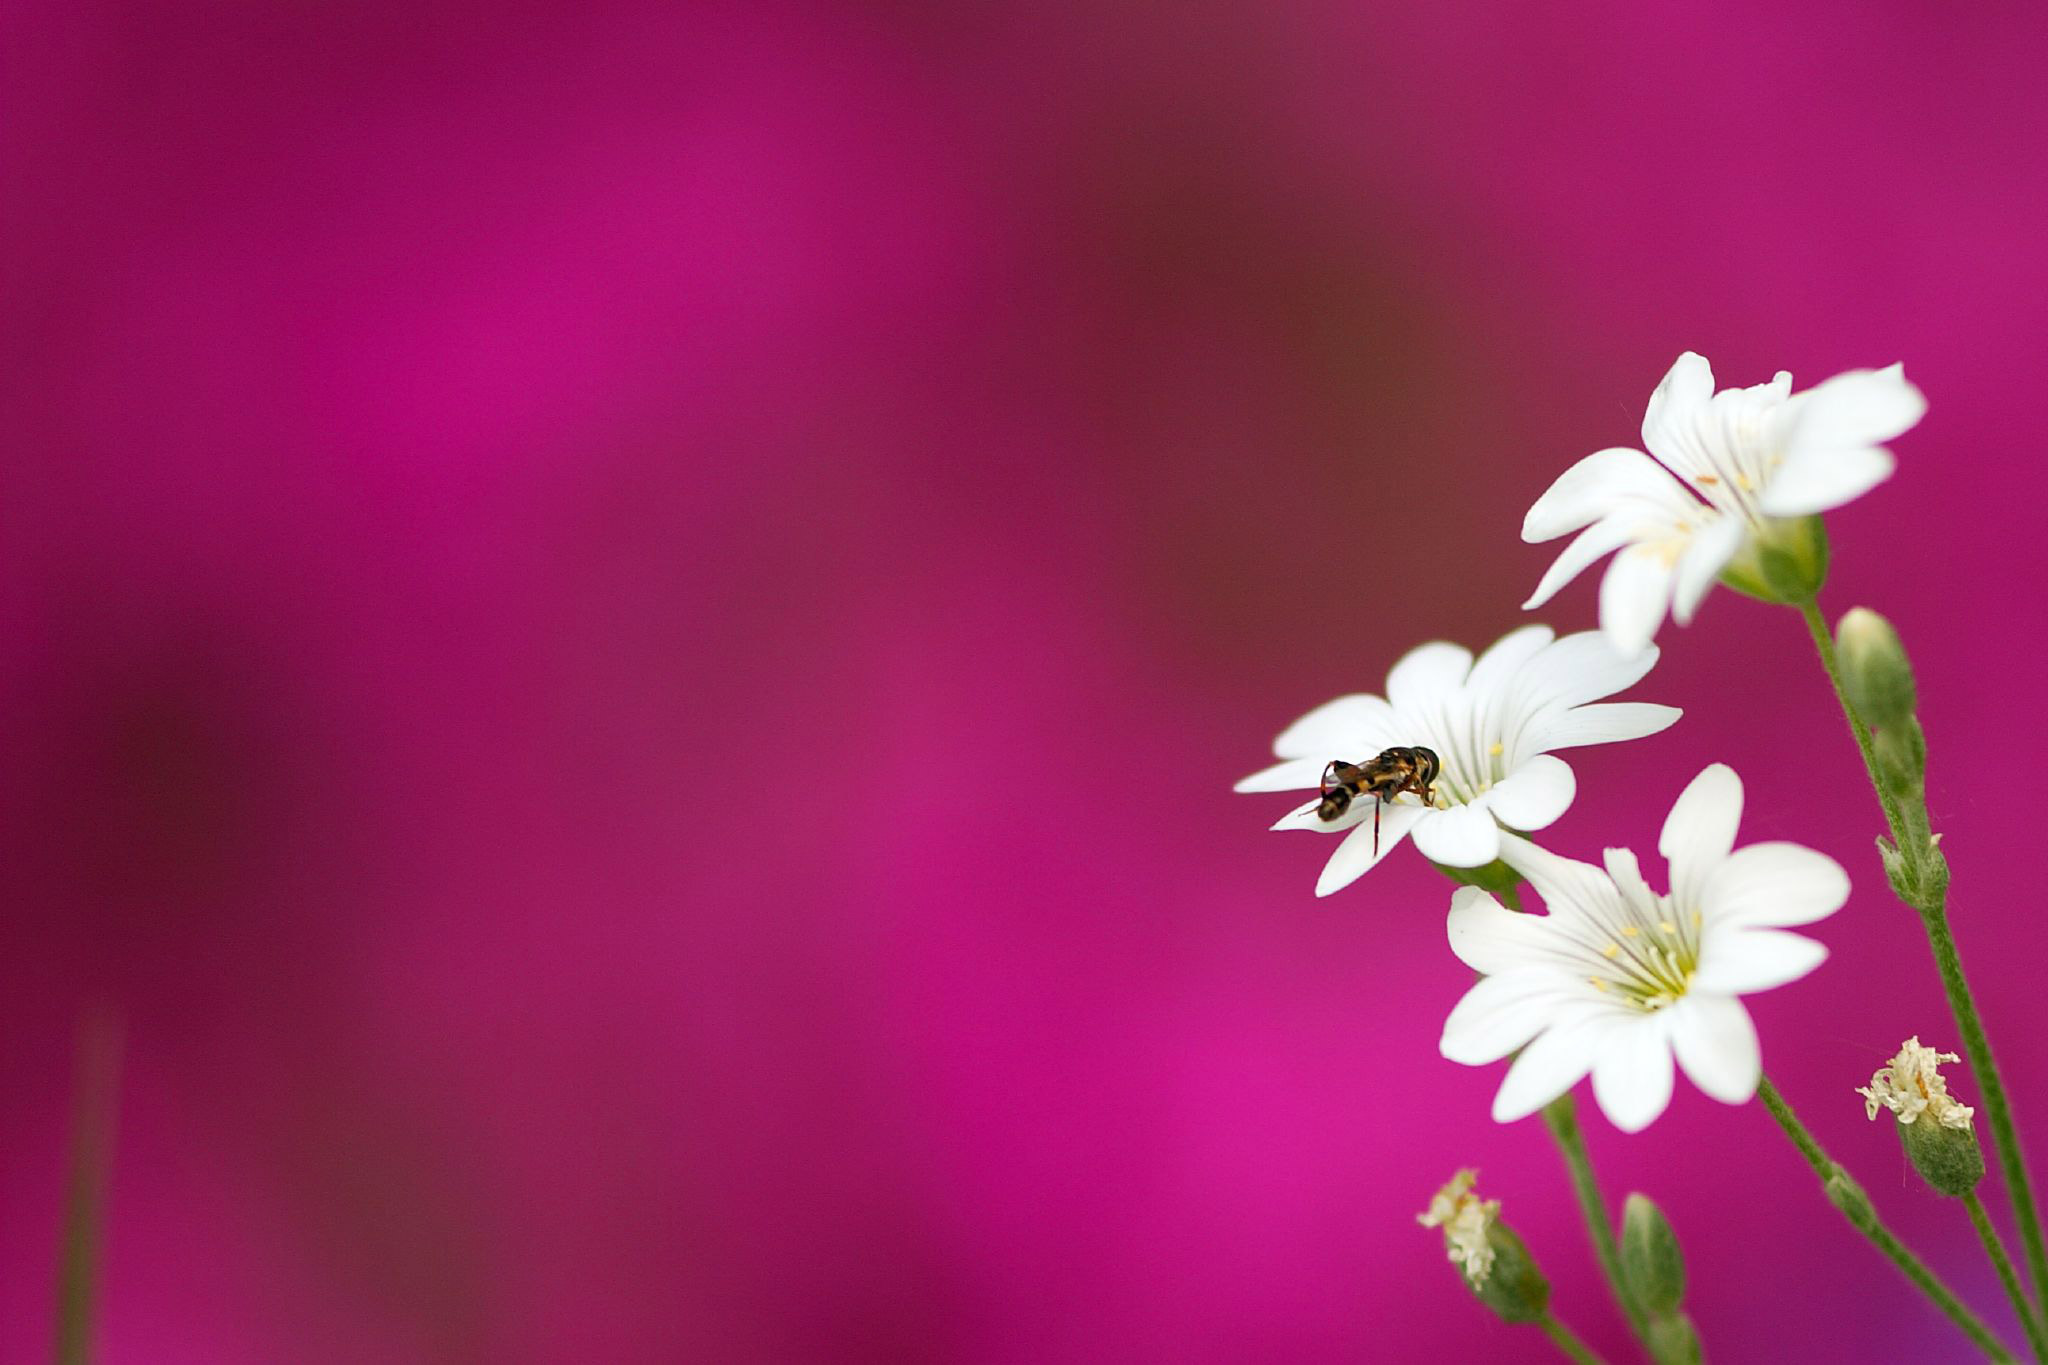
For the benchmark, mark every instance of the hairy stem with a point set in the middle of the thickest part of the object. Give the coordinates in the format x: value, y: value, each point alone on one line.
x: 1907, y: 822
x: 1563, y: 1122
x: 1845, y: 1194
x: 1994, y: 1247
x: 1566, y: 1341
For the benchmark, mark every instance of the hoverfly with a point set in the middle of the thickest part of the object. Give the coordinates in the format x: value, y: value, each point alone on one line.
x: 1383, y: 778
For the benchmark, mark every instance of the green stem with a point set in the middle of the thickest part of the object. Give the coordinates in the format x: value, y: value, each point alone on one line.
x: 92, y: 1148
x: 1994, y: 1247
x: 1564, y: 1339
x: 1910, y: 838
x: 1563, y: 1122
x: 1845, y: 1194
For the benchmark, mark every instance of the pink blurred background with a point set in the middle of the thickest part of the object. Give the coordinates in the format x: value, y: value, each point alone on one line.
x: 627, y: 628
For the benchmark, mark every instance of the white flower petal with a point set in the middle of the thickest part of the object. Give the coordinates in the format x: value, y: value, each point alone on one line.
x: 1739, y: 961
x: 1424, y: 674
x: 1603, y: 537
x: 1632, y: 1074
x: 1700, y: 830
x: 1576, y: 669
x: 1713, y: 545
x: 1678, y: 402
x: 1534, y: 794
x: 1498, y: 1015
x: 1858, y: 408
x: 1599, y: 723
x: 1353, y: 727
x: 1355, y: 857
x: 1463, y: 836
x: 1505, y: 657
x: 1291, y: 775
x: 1569, y: 889
x: 1601, y: 483
x: 1716, y: 1043
x: 1551, y: 1065
x: 1775, y: 885
x: 1634, y: 596
x: 1817, y: 480
x: 1488, y: 937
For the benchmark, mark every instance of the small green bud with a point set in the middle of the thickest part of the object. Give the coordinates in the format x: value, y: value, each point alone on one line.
x: 1875, y: 671
x: 1784, y: 561
x: 1934, y: 1127
x: 1516, y: 1289
x: 1902, y: 757
x: 1673, y: 1340
x: 1848, y: 1196
x: 1650, y: 1260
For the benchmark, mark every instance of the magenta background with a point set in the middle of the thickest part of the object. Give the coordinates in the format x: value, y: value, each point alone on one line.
x: 626, y: 631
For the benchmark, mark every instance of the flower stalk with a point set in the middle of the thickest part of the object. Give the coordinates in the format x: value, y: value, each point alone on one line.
x: 1845, y: 1194
x: 2001, y: 1260
x: 1563, y: 1122
x: 1919, y: 876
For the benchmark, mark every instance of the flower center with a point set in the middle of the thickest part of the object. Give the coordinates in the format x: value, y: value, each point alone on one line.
x: 1647, y: 955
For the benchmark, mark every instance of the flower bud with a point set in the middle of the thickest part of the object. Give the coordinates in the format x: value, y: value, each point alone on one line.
x: 1498, y: 1267
x: 1935, y: 1129
x: 1902, y: 756
x: 1875, y: 671
x: 1845, y: 1194
x: 1784, y: 561
x: 1650, y: 1260
x: 1673, y: 1340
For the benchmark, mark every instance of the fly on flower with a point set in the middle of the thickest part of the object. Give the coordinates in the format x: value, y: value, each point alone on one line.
x: 1489, y: 726
x: 1394, y: 772
x: 1731, y: 469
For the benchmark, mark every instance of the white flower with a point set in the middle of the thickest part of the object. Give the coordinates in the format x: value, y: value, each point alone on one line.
x: 1615, y: 979
x: 1492, y: 724
x: 1732, y: 461
x: 1464, y: 1217
x: 1911, y: 1085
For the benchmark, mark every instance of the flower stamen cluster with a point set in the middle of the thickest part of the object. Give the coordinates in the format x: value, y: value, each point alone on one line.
x: 1912, y: 1087
x: 1465, y: 1219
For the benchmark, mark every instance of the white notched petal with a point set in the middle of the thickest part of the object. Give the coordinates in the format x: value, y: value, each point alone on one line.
x: 1354, y: 857
x: 1291, y: 775
x: 1604, y: 482
x: 1600, y: 723
x: 1819, y: 480
x: 1505, y: 657
x: 1716, y: 1043
x: 1603, y: 537
x: 1713, y: 545
x: 1739, y: 961
x: 1352, y: 727
x: 1463, y: 836
x: 1498, y: 1015
x: 1858, y: 408
x: 1534, y: 794
x: 1424, y: 674
x: 1678, y: 402
x: 1579, y: 668
x: 1634, y: 596
x: 1488, y: 937
x: 1554, y: 1063
x: 1632, y: 1074
x: 1570, y: 889
x: 1700, y: 830
x: 1775, y: 885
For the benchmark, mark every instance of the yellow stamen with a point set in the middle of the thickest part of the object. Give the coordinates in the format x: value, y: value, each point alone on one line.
x: 1610, y: 950
x: 1629, y: 931
x: 1667, y: 926
x: 1496, y: 750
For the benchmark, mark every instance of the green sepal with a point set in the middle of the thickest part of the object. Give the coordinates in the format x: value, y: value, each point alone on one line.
x: 1495, y: 878
x: 1902, y: 757
x: 1784, y: 561
x: 1651, y: 1262
x: 1514, y: 1288
x: 1948, y: 1159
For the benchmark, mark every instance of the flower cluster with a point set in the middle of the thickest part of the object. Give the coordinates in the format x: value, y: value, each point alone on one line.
x: 1614, y: 979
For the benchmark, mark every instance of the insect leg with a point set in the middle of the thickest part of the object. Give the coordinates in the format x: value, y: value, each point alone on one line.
x: 1376, y: 804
